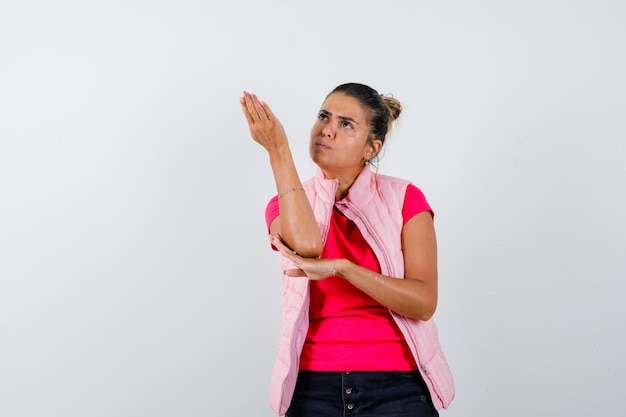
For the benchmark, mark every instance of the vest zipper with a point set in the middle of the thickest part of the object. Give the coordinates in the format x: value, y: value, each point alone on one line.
x: 374, y: 237
x: 330, y: 213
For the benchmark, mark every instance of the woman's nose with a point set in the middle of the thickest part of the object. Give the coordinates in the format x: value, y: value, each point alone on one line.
x: 328, y: 131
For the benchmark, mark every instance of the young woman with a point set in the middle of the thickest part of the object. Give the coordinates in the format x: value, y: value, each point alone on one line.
x: 359, y: 259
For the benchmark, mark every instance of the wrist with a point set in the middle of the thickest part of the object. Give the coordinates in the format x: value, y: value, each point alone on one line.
x: 279, y: 152
x: 340, y: 266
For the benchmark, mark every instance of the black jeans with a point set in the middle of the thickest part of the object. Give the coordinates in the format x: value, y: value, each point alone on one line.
x: 361, y: 394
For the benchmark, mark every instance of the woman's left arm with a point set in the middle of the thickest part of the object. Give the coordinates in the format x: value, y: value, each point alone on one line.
x: 415, y: 296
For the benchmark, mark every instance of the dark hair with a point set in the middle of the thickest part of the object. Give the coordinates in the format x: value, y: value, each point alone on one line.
x: 383, y: 109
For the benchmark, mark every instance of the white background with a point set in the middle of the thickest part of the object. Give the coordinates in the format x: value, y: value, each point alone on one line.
x: 135, y: 274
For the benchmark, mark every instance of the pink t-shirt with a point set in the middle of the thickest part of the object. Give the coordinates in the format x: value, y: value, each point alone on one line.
x: 349, y: 330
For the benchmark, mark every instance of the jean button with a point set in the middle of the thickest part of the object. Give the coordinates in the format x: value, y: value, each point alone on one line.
x: 350, y: 406
x: 348, y: 391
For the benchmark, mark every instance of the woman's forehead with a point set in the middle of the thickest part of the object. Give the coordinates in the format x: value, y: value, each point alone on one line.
x: 343, y: 105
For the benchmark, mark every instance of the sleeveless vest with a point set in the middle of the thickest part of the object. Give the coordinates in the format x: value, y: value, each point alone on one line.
x: 374, y: 203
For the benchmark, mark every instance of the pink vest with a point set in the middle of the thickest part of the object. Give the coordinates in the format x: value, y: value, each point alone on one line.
x: 374, y: 203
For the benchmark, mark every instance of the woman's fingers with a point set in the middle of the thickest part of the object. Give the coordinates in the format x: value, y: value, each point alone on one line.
x: 289, y: 254
x: 268, y: 112
x: 259, y: 108
x: 249, y: 100
x: 264, y: 127
x: 295, y: 273
x: 314, y: 269
x: 247, y: 107
x: 245, y: 111
x: 278, y: 243
x: 257, y: 111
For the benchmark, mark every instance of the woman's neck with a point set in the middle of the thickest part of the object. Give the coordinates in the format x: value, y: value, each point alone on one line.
x: 345, y: 181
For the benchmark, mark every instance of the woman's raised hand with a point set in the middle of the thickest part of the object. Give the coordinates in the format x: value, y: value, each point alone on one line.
x: 265, y: 128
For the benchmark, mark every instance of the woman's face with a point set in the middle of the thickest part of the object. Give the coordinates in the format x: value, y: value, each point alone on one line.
x: 339, y: 137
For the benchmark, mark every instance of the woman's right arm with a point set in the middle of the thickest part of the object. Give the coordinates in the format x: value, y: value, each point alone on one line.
x: 295, y: 224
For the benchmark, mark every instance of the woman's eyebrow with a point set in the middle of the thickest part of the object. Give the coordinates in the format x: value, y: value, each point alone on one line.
x: 350, y: 119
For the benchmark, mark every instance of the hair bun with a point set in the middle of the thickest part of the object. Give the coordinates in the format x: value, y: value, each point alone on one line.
x: 393, y: 105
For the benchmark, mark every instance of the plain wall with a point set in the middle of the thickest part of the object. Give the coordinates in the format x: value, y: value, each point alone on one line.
x: 135, y: 274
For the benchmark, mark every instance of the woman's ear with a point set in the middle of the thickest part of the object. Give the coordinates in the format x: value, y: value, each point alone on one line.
x: 373, y: 149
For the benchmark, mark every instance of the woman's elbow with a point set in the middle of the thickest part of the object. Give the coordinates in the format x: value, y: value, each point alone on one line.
x: 425, y: 312
x: 310, y: 252
x: 310, y: 249
x: 426, y: 316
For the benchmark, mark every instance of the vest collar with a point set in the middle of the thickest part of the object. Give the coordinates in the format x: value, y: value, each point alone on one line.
x: 361, y: 191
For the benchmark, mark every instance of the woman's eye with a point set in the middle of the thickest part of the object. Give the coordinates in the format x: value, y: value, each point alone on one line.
x: 322, y: 116
x: 346, y: 125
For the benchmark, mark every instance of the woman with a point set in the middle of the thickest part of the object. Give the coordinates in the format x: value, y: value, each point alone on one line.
x: 356, y: 339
